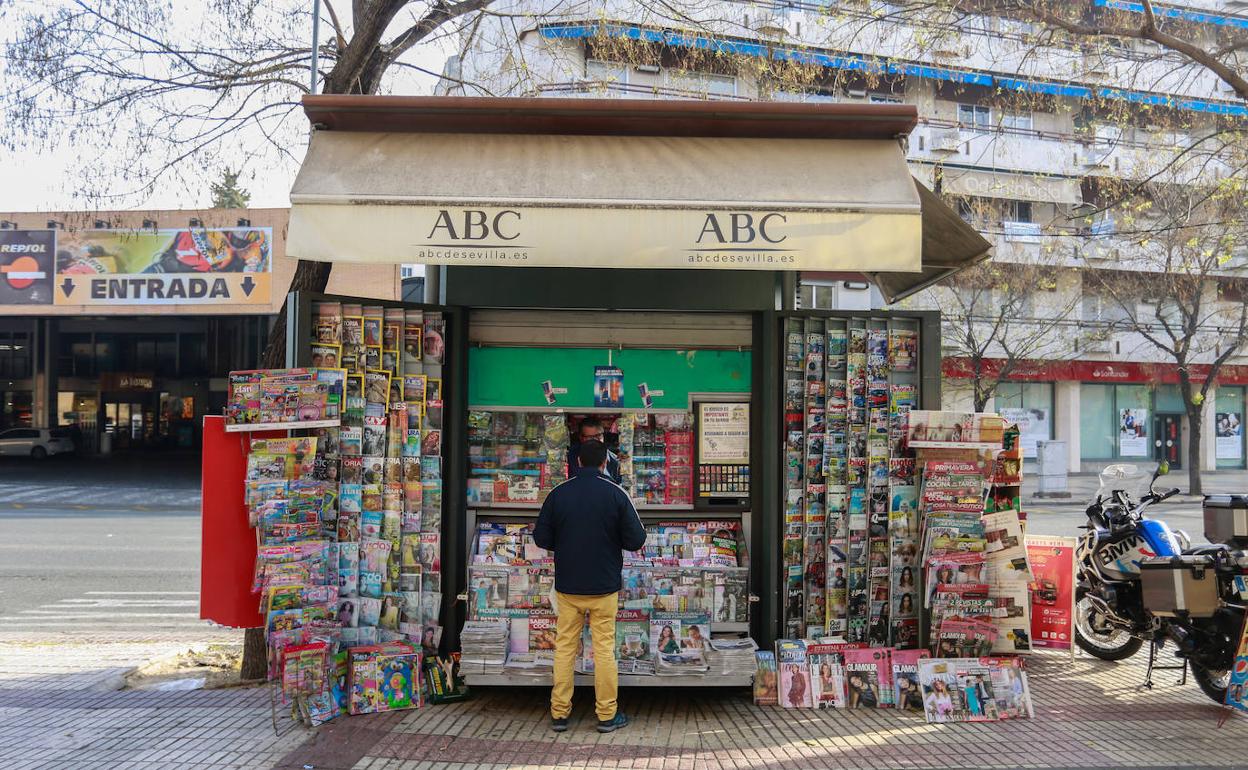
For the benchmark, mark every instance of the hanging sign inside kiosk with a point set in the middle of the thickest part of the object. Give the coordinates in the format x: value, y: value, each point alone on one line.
x: 724, y: 433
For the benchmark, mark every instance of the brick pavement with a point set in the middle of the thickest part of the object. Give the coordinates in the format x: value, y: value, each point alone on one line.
x: 59, y: 709
x: 1088, y: 714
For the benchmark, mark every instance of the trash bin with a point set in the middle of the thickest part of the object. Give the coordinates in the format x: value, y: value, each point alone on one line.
x: 1051, y: 469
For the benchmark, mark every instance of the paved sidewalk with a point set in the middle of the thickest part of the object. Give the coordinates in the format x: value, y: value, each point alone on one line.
x: 1088, y: 714
x: 1083, y: 486
x: 60, y: 707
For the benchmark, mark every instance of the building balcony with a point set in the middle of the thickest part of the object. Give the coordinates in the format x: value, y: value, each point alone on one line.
x: 1051, y: 153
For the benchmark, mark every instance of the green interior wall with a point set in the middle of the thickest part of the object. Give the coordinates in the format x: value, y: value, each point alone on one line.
x: 514, y: 376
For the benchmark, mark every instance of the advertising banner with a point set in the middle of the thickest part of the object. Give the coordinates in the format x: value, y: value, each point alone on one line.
x: 1229, y: 436
x: 194, y: 266
x: 26, y: 266
x: 1133, y: 433
x: 1052, y: 591
x: 1033, y: 426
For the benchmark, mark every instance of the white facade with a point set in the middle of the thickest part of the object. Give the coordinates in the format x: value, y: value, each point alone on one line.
x: 1005, y: 120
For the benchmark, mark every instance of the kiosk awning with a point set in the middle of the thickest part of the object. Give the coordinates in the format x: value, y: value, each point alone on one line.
x: 949, y: 245
x: 611, y: 183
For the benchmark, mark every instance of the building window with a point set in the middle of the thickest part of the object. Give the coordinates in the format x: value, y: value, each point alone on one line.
x: 16, y: 354
x: 877, y: 98
x: 1116, y: 421
x: 1017, y: 119
x: 605, y: 71
x: 816, y: 296
x: 1018, y: 211
x: 974, y: 115
x: 1098, y: 428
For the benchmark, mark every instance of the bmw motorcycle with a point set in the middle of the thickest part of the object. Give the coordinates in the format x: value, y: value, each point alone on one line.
x: 1111, y: 619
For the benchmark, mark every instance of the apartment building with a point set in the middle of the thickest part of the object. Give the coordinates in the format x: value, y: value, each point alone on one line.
x: 1031, y: 133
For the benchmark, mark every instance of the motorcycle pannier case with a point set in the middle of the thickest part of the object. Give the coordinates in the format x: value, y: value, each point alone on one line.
x: 1226, y: 519
x: 1180, y: 584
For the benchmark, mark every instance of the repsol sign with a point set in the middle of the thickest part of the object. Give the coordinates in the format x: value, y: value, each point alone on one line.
x: 742, y: 228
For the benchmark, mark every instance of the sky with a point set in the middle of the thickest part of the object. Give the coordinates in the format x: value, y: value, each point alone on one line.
x: 48, y: 179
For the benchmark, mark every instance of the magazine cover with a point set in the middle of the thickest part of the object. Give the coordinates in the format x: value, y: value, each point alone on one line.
x: 1009, y: 687
x: 957, y: 690
x: 766, y: 692
x: 489, y: 587
x: 542, y: 637
x: 827, y: 674
x: 864, y: 676
x: 632, y: 635
x: 907, y: 694
x: 795, y: 691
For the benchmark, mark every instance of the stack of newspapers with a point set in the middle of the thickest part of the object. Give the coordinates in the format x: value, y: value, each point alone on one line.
x: 731, y: 657
x: 483, y: 645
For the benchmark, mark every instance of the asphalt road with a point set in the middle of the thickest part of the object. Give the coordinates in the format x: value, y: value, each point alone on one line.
x: 100, y: 548
x: 113, y: 546
x: 99, y: 571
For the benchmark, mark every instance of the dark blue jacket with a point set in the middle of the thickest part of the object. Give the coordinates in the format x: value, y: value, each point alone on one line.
x: 574, y: 463
x: 588, y: 522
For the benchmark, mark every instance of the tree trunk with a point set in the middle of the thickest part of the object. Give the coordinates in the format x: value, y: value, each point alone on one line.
x: 309, y: 276
x: 255, y: 658
x: 1194, y: 430
x: 982, y: 395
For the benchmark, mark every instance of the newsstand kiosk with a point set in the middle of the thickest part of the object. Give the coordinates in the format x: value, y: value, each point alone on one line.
x: 630, y: 263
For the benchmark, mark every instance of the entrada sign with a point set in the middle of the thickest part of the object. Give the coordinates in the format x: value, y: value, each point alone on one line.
x: 654, y: 237
x: 196, y: 266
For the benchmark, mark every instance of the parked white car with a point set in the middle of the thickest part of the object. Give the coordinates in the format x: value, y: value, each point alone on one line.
x: 37, y: 443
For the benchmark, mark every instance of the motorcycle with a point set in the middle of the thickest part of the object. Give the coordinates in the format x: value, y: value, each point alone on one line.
x: 1112, y: 621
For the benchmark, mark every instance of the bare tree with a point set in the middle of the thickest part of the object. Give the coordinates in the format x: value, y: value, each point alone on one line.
x: 163, y: 90
x: 1177, y: 291
x: 999, y: 316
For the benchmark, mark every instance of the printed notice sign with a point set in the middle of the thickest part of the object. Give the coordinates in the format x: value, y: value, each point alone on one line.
x: 724, y: 433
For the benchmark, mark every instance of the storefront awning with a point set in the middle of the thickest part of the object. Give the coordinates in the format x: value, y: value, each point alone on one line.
x: 612, y: 183
x: 949, y: 245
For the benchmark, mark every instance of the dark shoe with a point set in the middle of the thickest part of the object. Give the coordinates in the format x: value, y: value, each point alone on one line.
x: 613, y: 724
x: 559, y: 725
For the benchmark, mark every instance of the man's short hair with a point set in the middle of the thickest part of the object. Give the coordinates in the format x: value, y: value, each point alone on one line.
x: 590, y: 422
x: 592, y: 454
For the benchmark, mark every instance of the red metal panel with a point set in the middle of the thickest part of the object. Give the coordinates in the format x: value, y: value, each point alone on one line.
x: 228, y: 544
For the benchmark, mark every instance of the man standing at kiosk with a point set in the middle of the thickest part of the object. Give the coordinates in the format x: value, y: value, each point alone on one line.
x: 588, y: 522
x: 591, y: 429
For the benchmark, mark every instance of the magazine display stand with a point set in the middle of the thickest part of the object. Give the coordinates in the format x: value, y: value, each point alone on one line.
x: 695, y: 563
x: 849, y: 508
x: 348, y: 517
x: 973, y: 554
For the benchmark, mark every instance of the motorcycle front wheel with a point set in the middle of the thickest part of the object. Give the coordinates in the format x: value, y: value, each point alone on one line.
x: 1099, y: 638
x: 1212, y: 683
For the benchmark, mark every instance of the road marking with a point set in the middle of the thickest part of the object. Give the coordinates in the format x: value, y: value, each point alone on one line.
x: 90, y: 603
x: 111, y: 616
x: 141, y: 593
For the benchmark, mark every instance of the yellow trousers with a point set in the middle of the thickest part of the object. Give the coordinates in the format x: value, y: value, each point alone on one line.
x: 572, y: 610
